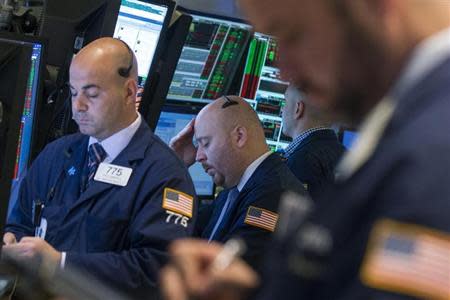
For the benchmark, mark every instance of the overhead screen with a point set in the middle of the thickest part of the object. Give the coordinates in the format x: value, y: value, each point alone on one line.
x: 29, y: 111
x: 30, y: 95
x: 140, y: 24
x: 21, y: 70
x: 264, y: 89
x: 171, y: 121
x: 210, y: 58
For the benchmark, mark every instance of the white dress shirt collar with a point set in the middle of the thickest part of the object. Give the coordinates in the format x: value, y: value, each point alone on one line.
x: 114, y: 144
x: 251, y: 169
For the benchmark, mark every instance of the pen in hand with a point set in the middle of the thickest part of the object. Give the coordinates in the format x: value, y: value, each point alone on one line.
x: 231, y: 249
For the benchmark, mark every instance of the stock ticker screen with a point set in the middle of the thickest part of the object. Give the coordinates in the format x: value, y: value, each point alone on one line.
x: 28, y: 115
x: 210, y: 57
x: 264, y: 89
x: 22, y: 65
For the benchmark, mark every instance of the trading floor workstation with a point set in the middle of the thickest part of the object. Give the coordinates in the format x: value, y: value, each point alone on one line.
x: 224, y: 149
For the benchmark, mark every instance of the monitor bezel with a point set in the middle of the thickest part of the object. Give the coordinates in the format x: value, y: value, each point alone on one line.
x: 147, y: 94
x: 13, y: 134
x: 40, y: 88
x: 193, y: 12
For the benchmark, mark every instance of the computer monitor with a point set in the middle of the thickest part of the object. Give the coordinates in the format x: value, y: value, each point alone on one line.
x: 172, y: 119
x: 69, y: 25
x: 210, y: 58
x: 161, y: 79
x: 264, y: 89
x: 141, y: 24
x: 22, y: 62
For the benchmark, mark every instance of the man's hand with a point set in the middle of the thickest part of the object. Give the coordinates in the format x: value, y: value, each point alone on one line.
x: 33, y: 248
x: 9, y: 238
x: 183, y: 146
x: 190, y: 274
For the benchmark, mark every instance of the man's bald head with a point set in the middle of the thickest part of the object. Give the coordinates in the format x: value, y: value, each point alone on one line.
x: 230, y: 138
x: 232, y: 112
x: 299, y: 114
x: 106, y: 54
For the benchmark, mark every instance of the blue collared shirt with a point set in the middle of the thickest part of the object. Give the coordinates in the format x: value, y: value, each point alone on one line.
x: 297, y: 141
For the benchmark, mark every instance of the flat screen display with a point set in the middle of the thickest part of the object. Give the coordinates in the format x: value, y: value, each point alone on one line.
x: 171, y: 123
x: 140, y: 24
x: 210, y: 58
x: 264, y: 89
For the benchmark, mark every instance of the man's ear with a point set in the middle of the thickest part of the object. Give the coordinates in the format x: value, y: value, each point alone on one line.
x: 131, y: 88
x: 299, y: 109
x: 240, y: 136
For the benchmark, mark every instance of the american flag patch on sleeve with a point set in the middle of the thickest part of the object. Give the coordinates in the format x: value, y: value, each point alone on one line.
x: 178, y: 202
x: 408, y: 259
x: 262, y: 218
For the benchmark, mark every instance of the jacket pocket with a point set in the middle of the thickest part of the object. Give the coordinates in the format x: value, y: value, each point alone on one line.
x: 106, y: 234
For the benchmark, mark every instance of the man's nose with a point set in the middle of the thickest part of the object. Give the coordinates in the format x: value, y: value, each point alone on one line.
x: 78, y: 103
x: 200, y: 156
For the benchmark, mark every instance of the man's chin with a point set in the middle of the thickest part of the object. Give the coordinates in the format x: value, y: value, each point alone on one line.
x: 84, y: 131
x: 218, y: 180
x: 87, y: 131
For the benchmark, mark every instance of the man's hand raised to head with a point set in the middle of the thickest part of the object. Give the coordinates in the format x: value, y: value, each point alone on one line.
x: 183, y: 146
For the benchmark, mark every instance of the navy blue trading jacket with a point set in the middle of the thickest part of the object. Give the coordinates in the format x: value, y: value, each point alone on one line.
x: 263, y: 190
x: 405, y: 181
x: 118, y: 234
x: 314, y: 160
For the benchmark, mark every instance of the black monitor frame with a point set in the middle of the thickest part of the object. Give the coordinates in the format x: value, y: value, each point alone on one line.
x: 68, y: 28
x: 156, y: 65
x: 12, y: 135
x: 211, y: 15
x: 162, y: 78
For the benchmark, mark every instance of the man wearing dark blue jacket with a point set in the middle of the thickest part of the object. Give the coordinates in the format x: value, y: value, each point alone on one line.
x: 233, y: 150
x: 315, y: 150
x: 107, y: 200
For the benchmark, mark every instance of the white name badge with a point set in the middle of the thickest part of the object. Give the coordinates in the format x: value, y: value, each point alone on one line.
x: 113, y: 174
x: 41, y: 230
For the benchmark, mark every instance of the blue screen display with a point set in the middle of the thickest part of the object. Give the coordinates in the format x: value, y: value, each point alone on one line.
x: 169, y: 124
x: 349, y: 138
